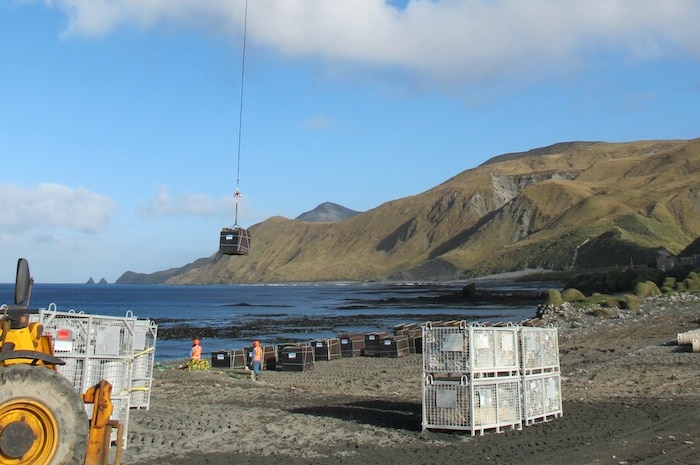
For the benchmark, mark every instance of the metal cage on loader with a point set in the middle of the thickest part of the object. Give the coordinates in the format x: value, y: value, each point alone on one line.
x: 45, y: 417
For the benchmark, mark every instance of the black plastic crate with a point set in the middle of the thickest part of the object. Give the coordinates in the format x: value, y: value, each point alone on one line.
x: 393, y: 347
x: 296, y: 357
x: 326, y: 349
x: 228, y: 359
x: 415, y: 343
x: 373, y: 343
x: 352, y: 345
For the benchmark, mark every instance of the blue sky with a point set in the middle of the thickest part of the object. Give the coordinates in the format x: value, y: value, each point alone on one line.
x: 119, y: 118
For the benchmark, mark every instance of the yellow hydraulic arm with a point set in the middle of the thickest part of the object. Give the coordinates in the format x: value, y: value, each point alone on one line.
x: 100, y: 395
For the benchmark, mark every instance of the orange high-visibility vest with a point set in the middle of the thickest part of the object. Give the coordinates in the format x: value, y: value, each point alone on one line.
x: 257, y: 354
x: 196, y: 353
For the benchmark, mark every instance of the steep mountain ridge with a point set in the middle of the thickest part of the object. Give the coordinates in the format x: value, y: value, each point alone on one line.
x: 569, y: 204
x: 327, y: 212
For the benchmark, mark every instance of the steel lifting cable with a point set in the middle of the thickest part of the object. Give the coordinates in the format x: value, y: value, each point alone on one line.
x: 237, y: 192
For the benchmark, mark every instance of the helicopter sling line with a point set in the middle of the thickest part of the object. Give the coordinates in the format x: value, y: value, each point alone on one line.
x: 235, y: 240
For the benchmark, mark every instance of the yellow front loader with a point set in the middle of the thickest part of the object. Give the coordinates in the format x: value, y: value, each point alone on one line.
x: 43, y: 420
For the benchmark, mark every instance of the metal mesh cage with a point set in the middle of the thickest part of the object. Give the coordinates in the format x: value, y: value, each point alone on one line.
x: 120, y: 350
x: 471, y: 405
x: 445, y: 349
x: 480, y: 378
x: 494, y: 349
x: 541, y: 398
x: 446, y: 404
x: 540, y: 350
x: 496, y: 404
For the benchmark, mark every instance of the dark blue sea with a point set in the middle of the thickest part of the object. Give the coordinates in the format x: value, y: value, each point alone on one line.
x: 231, y: 316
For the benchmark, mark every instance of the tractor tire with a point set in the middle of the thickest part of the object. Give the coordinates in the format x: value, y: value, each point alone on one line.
x: 42, y: 418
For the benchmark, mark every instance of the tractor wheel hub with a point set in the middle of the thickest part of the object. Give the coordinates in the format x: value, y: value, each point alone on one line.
x: 16, y: 439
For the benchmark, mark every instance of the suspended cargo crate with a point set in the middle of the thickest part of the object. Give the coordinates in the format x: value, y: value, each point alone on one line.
x: 234, y: 241
x: 295, y: 357
x: 352, y: 345
x: 539, y: 349
x: 326, y: 349
x: 477, y: 406
x: 541, y: 398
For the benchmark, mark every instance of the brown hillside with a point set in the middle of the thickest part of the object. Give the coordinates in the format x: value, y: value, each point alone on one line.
x: 560, y: 206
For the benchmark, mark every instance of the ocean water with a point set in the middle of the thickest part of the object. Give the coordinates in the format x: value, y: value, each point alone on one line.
x: 232, y: 316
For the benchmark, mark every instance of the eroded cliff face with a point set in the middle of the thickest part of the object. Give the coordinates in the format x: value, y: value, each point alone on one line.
x: 505, y: 187
x: 519, y: 210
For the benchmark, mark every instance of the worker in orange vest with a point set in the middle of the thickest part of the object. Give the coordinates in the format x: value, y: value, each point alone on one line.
x: 257, y: 360
x: 196, y: 353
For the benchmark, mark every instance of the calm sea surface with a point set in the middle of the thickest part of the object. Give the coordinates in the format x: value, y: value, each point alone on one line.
x: 279, y: 312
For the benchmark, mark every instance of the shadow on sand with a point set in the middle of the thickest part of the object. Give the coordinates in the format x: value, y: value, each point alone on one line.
x: 381, y: 413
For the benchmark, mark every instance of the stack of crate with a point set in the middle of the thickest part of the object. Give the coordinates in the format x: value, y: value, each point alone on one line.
x: 479, y: 378
x: 471, y: 377
x: 540, y: 374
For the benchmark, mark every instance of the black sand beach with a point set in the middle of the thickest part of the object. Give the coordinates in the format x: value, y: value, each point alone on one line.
x: 630, y: 395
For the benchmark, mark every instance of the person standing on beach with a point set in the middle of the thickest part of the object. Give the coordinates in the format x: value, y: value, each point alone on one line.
x: 257, y: 360
x: 196, y: 353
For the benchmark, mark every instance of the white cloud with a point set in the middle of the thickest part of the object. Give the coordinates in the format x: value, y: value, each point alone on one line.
x: 187, y: 204
x: 55, y: 206
x: 100, y: 17
x: 447, y: 40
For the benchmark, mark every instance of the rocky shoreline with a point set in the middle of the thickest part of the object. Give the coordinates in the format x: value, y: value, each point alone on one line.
x: 435, y: 297
x: 581, y: 320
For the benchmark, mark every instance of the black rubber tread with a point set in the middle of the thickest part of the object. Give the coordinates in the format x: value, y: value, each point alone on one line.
x: 59, y: 397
